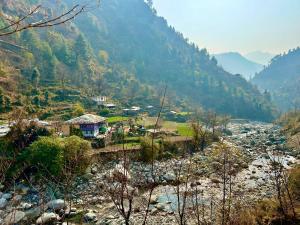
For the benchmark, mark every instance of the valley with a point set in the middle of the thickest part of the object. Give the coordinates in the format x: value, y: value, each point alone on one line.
x: 109, y: 115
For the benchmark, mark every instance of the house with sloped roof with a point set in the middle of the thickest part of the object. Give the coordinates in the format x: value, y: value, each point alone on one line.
x: 89, y: 124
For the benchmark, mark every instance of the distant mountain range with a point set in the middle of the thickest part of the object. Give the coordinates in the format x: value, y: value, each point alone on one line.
x: 282, y: 79
x: 263, y: 58
x: 235, y: 63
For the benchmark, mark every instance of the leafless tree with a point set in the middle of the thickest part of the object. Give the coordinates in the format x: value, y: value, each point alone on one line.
x: 225, y: 164
x: 201, y: 136
x: 28, y: 20
x: 279, y: 177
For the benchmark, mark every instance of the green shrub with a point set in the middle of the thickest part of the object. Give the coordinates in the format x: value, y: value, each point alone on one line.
x: 104, y: 112
x: 46, y: 154
x: 148, y: 150
x: 76, y: 155
x: 76, y: 132
x: 58, y: 157
x: 169, y: 149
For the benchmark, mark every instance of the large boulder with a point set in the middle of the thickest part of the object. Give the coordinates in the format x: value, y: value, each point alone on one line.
x: 14, y: 217
x: 3, y: 203
x: 90, y: 217
x: 7, y: 196
x: 169, y: 177
x: 32, y: 214
x: 56, y: 204
x: 47, y: 218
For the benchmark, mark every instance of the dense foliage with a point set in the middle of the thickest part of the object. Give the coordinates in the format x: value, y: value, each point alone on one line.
x: 282, y: 79
x: 31, y: 149
x: 125, y: 51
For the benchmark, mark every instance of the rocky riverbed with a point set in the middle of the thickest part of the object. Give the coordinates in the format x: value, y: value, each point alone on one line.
x: 260, y: 144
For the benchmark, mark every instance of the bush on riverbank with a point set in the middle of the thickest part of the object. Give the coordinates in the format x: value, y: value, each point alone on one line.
x: 149, y: 150
x: 52, y: 157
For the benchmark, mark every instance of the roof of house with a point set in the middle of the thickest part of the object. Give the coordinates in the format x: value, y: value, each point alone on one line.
x: 135, y: 108
x: 110, y: 105
x: 86, y: 119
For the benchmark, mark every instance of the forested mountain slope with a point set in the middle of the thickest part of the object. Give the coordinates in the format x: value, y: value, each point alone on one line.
x: 124, y: 50
x: 282, y: 79
x: 235, y: 63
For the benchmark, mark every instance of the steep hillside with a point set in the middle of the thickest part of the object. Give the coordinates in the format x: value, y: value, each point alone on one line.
x: 235, y: 63
x: 282, y: 79
x: 123, y: 50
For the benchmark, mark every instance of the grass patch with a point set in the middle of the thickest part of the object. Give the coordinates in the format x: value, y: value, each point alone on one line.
x: 117, y: 119
x: 132, y: 139
x: 129, y: 145
x: 185, y: 129
x: 150, y: 121
x: 78, y: 218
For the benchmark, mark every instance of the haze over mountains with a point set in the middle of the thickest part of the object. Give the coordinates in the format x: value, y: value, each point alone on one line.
x: 260, y: 57
x: 235, y: 63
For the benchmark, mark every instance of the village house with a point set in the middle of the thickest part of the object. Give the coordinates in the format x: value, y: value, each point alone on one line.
x: 133, y: 111
x: 89, y: 124
x: 100, y: 100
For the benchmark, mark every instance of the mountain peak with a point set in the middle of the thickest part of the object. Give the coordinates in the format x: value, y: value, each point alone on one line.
x: 235, y: 63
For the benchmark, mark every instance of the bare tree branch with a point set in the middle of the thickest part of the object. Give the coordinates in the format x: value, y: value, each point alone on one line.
x: 20, y: 24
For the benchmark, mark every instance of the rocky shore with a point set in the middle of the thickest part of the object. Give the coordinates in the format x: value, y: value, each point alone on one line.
x: 260, y: 144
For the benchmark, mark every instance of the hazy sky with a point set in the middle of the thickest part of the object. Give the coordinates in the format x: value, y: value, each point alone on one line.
x: 235, y: 25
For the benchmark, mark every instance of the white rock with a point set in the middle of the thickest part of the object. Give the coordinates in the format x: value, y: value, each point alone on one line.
x: 56, y: 204
x: 90, y: 217
x: 14, y: 217
x: 25, y: 205
x: 160, y: 206
x: 47, y: 218
x: 153, y: 199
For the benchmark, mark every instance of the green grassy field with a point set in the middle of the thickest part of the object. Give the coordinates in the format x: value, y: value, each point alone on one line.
x: 116, y: 119
x: 184, y: 129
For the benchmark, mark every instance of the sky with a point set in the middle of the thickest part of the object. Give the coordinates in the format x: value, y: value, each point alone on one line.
x: 235, y: 25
